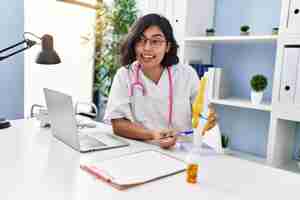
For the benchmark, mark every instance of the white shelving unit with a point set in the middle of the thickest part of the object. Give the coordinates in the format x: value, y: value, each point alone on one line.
x: 197, y: 46
x: 191, y: 18
x: 242, y: 103
x: 232, y: 39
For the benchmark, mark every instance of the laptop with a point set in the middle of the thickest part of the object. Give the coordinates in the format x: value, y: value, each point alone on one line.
x: 64, y: 126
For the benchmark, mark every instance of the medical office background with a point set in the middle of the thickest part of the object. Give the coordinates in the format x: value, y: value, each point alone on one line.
x: 21, y: 80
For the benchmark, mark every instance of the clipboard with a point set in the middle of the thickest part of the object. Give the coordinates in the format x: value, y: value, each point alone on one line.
x: 135, y: 169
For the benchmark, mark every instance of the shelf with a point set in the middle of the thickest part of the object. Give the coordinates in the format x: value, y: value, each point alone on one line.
x: 242, y: 103
x: 233, y: 39
x: 245, y: 156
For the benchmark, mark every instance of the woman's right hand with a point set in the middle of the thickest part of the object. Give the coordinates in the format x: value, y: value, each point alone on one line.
x: 166, y: 138
x: 168, y: 142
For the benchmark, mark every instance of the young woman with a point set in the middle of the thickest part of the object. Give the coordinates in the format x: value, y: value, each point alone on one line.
x: 152, y: 94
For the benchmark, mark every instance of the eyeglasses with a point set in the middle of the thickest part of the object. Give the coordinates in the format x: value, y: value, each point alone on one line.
x: 154, y: 42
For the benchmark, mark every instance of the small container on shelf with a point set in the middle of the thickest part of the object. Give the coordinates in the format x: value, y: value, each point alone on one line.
x: 225, y: 143
x: 245, y: 30
x: 258, y: 84
x: 210, y: 32
x: 275, y: 31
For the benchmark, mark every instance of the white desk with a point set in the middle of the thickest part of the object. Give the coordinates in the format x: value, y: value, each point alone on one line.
x: 34, y: 165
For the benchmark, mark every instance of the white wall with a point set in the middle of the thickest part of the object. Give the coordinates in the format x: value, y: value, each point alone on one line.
x: 67, y: 23
x: 11, y: 69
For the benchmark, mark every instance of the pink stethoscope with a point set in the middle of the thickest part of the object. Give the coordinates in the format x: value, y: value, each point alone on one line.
x: 137, y: 83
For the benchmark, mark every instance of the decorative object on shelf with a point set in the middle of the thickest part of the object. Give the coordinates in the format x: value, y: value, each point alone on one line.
x: 210, y: 32
x: 275, y: 31
x: 258, y: 84
x: 225, y: 143
x: 245, y: 30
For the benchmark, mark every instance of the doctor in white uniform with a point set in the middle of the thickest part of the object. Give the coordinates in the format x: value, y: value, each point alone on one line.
x: 152, y: 94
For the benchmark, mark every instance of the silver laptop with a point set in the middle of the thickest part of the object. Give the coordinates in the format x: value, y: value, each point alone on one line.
x: 64, y: 126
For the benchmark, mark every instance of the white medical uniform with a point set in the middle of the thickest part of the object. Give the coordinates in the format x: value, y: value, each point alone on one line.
x: 152, y: 110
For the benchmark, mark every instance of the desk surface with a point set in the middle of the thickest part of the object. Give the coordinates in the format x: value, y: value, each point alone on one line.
x: 34, y: 165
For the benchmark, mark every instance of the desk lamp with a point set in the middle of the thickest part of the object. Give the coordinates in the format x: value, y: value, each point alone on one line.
x: 47, y: 56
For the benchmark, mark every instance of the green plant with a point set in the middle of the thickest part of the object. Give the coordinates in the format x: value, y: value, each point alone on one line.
x: 117, y: 21
x: 210, y: 30
x: 275, y: 30
x: 100, y: 31
x: 245, y: 28
x: 259, y: 82
x: 225, y: 141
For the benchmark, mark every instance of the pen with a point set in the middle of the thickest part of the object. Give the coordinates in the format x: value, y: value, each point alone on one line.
x: 187, y: 132
x: 180, y: 133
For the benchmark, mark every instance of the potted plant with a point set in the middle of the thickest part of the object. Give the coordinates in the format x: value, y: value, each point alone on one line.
x: 245, y: 30
x: 225, y: 143
x: 210, y: 32
x: 258, y: 84
x: 275, y: 31
x: 112, y: 25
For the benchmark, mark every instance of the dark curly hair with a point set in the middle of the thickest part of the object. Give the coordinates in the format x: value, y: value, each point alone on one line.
x: 136, y: 32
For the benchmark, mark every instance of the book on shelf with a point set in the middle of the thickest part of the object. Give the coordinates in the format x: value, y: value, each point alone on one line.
x: 220, y: 84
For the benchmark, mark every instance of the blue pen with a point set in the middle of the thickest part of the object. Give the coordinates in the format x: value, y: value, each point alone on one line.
x: 187, y: 132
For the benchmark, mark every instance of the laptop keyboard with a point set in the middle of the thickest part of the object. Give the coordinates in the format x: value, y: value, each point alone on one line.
x: 88, y: 141
x: 107, y: 138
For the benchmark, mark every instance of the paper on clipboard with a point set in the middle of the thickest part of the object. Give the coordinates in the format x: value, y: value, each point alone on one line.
x: 136, y: 168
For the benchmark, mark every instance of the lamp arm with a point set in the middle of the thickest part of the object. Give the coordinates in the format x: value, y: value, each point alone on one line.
x: 12, y: 46
x: 80, y: 3
x: 29, y: 43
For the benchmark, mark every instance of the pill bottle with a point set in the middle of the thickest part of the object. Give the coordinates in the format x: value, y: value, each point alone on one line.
x: 193, y: 164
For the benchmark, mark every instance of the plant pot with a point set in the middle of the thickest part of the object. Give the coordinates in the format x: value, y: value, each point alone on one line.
x: 256, y: 97
x: 210, y: 34
x: 274, y: 32
x: 244, y: 33
x: 226, y: 150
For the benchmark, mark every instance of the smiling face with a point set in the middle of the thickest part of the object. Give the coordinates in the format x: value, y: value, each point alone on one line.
x: 151, y: 48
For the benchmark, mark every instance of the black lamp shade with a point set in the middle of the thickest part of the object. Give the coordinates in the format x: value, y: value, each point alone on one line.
x: 48, y: 55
